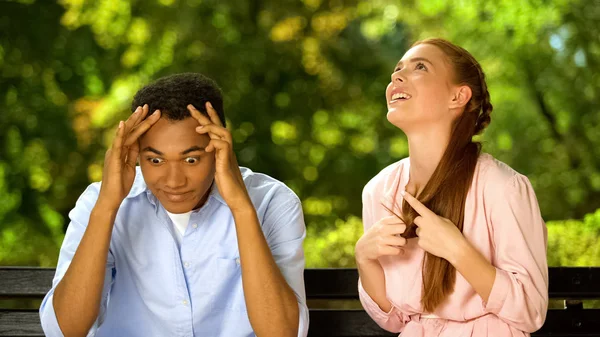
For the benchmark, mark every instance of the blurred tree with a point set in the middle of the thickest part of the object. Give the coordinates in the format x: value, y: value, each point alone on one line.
x: 298, y: 81
x: 303, y: 84
x: 574, y: 243
x: 41, y: 162
x: 542, y: 61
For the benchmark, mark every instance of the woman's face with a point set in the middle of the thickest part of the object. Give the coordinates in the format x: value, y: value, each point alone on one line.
x: 420, y: 92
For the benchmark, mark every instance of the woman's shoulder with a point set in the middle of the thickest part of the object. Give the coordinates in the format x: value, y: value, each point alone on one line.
x: 387, y: 176
x: 493, y: 176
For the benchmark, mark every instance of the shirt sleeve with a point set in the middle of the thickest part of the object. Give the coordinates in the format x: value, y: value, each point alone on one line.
x: 519, y: 294
x: 393, y: 320
x: 79, y: 217
x: 286, y: 231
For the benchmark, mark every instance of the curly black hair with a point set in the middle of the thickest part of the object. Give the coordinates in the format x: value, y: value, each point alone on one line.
x: 171, y: 95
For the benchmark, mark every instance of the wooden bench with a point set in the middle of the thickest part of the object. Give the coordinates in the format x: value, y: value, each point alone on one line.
x: 572, y: 285
x: 569, y: 284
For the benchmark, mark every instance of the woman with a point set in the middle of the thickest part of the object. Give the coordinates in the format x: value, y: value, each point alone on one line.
x: 454, y: 242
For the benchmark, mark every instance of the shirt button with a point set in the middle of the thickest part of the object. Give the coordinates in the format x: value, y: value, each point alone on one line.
x: 237, y: 261
x: 184, y: 302
x: 187, y: 264
x: 195, y: 225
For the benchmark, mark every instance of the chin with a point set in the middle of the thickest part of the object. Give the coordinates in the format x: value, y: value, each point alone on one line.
x: 396, y: 117
x: 177, y: 207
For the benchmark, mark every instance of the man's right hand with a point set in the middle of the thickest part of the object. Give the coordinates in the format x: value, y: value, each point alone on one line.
x: 381, y: 239
x: 120, y: 159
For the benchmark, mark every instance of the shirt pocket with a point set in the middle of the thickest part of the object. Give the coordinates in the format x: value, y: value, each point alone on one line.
x: 227, y: 291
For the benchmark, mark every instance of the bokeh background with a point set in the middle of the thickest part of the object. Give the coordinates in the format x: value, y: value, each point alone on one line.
x: 304, y: 89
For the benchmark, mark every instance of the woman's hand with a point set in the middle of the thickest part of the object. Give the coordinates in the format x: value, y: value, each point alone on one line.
x: 437, y: 235
x: 381, y: 239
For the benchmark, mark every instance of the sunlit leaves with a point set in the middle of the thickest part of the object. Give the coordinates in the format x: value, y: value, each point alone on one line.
x: 329, y: 24
x: 288, y: 29
x: 398, y: 147
x: 303, y: 85
x: 283, y: 132
x: 10, y: 198
x: 108, y: 19
x: 37, y: 161
x: 332, y: 248
x: 574, y: 242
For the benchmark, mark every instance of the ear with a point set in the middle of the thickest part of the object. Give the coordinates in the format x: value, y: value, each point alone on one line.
x: 461, y: 97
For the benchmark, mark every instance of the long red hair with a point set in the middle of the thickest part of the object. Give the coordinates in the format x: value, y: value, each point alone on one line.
x: 446, y: 191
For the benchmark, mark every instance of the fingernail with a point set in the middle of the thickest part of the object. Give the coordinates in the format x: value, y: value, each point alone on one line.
x: 120, y: 124
x: 137, y: 110
x: 145, y: 106
x: 191, y: 106
x: 199, y: 127
x: 155, y: 112
x: 402, y: 193
x: 209, y: 105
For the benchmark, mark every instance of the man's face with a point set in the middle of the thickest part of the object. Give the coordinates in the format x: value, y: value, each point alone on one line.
x: 175, y: 166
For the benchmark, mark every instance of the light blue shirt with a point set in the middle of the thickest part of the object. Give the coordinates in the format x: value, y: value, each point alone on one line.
x: 153, y: 287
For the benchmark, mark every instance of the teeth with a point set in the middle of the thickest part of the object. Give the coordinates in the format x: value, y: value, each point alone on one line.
x: 400, y: 95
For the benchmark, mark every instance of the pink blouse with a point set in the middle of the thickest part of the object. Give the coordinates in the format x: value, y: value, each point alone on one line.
x: 503, y: 221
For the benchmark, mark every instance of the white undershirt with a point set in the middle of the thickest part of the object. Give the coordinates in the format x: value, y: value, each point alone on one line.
x: 180, y: 222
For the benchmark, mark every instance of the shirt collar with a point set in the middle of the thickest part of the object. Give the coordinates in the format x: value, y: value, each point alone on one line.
x: 215, y: 194
x: 139, y: 184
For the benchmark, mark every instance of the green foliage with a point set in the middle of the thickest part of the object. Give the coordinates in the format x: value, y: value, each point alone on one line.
x: 304, y: 85
x: 570, y: 243
x: 542, y: 60
x: 333, y: 248
x: 574, y: 242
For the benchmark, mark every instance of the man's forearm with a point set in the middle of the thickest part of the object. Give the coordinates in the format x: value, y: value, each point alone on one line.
x: 271, y: 303
x: 77, y: 297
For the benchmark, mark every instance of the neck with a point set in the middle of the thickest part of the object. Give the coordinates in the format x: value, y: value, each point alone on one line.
x: 425, y: 151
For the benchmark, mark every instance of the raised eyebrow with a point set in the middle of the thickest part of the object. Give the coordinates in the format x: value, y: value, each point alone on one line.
x: 192, y: 149
x: 413, y: 60
x: 151, y: 149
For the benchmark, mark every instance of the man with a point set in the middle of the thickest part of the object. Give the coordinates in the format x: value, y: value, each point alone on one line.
x: 186, y: 244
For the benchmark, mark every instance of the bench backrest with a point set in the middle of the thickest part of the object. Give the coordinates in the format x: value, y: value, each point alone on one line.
x: 569, y: 284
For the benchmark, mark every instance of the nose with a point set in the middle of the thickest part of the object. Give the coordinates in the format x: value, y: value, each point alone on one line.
x: 175, y: 178
x: 397, y: 77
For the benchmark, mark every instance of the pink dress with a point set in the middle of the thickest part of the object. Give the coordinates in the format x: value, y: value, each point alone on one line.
x: 502, y: 221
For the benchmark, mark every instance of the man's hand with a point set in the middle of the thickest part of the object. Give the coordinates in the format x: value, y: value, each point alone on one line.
x: 78, y: 295
x: 119, y: 162
x: 271, y: 302
x: 227, y: 176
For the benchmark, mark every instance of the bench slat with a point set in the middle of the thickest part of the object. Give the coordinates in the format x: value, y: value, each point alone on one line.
x: 568, y: 282
x: 25, y: 281
x: 20, y: 323
x: 331, y: 283
x: 347, y: 323
x: 565, y: 282
x: 574, y: 282
x: 583, y: 322
x: 343, y: 323
x: 355, y: 323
